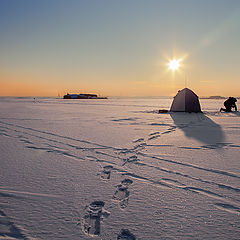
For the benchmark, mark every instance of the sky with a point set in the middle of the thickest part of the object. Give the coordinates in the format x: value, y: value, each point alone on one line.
x: 119, y: 48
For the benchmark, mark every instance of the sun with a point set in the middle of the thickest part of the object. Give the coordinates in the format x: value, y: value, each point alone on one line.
x: 174, y: 64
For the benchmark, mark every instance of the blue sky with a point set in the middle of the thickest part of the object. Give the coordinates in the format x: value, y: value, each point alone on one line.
x: 119, y: 47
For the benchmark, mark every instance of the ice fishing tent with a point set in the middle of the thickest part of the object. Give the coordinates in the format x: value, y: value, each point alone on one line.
x: 185, y: 101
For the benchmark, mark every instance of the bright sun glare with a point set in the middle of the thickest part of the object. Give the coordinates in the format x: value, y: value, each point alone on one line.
x: 174, y: 64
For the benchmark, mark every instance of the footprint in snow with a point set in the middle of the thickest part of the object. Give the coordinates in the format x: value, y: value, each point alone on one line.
x: 127, y: 182
x: 131, y: 159
x: 138, y: 140
x: 139, y: 147
x: 154, y: 133
x: 125, y: 234
x: 91, y: 222
x: 122, y: 194
x: 154, y: 136
x: 106, y: 172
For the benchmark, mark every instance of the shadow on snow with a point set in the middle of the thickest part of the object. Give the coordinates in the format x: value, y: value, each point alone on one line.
x: 199, y: 127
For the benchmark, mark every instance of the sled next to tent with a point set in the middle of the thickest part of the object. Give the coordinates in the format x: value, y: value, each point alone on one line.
x: 185, y: 101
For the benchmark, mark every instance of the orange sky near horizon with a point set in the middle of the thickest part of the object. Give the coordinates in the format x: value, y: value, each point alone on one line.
x: 53, y: 87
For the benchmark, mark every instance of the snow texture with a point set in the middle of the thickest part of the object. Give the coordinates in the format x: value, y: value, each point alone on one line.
x: 116, y: 169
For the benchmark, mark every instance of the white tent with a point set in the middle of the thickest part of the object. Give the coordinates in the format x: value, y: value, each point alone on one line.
x: 185, y: 101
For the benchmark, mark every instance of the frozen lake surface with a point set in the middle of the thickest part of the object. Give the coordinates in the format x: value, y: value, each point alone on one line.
x: 116, y: 169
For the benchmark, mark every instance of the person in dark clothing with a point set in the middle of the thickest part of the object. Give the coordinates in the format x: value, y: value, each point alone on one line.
x: 229, y: 104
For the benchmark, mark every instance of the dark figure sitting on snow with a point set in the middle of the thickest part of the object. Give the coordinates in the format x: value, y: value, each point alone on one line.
x: 229, y: 104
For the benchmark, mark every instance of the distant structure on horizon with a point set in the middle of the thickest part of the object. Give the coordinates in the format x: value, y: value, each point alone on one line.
x: 82, y: 96
x: 213, y: 97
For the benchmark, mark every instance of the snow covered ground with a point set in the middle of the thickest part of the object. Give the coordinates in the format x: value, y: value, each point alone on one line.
x: 116, y: 169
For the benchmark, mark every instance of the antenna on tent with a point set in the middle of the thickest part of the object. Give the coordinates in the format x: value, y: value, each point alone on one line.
x: 185, y: 79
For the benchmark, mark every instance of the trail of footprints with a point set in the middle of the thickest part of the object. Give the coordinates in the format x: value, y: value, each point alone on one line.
x: 95, y: 212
